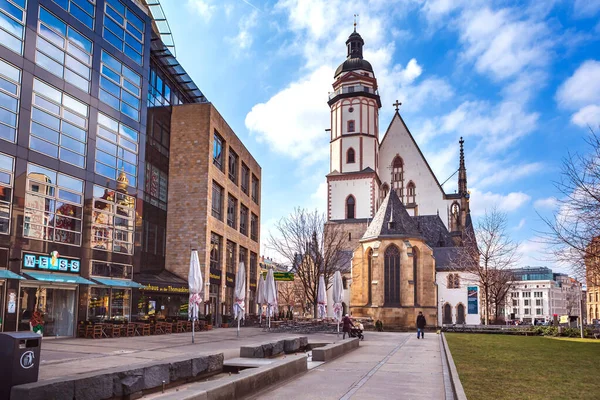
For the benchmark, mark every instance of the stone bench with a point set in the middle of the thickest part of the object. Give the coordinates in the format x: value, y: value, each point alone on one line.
x: 334, y: 350
x: 122, y: 381
x: 272, y: 349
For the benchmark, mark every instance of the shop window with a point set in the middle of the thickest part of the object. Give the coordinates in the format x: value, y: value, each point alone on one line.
x: 232, y: 211
x: 12, y: 24
x: 10, y: 92
x: 230, y: 257
x: 109, y: 304
x: 63, y: 51
x: 116, y: 150
x: 120, y: 86
x: 83, y: 10
x: 124, y: 30
x: 53, y: 206
x: 6, y: 192
x: 55, y: 307
x: 113, y: 221
x: 59, y: 124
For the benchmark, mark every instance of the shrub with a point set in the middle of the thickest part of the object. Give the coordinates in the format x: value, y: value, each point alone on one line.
x: 571, y: 332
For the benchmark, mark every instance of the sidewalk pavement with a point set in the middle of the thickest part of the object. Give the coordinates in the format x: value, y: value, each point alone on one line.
x: 68, y: 357
x: 385, y: 366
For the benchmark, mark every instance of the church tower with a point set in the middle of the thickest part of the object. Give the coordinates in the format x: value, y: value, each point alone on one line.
x: 353, y: 182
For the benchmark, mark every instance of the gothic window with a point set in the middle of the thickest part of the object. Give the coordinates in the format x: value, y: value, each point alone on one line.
x: 350, y: 156
x: 456, y: 281
x: 460, y: 314
x: 351, y: 126
x: 369, y: 272
x: 415, y: 275
x: 392, y: 276
x: 450, y: 284
x: 411, y: 192
x: 398, y: 176
x: 455, y: 215
x: 350, y: 207
x: 447, y: 314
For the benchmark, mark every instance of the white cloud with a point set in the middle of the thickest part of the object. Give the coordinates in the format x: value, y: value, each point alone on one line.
x: 244, y: 38
x: 587, y: 116
x: 480, y: 201
x: 505, y: 173
x: 549, y: 203
x: 203, y: 8
x: 582, y: 88
x: 520, y: 225
x: 293, y: 121
x: 586, y: 8
x: 534, y: 253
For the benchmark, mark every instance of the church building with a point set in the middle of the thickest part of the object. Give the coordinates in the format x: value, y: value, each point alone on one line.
x: 403, y: 228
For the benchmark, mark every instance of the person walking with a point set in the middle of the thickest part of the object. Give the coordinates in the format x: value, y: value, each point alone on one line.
x: 421, y: 322
x: 347, y: 326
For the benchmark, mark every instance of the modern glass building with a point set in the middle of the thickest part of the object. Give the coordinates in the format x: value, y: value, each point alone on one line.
x: 86, y: 93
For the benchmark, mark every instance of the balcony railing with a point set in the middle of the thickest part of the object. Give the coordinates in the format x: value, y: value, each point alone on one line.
x: 353, y: 89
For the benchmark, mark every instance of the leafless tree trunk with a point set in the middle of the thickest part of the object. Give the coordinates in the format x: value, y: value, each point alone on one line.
x: 303, y: 240
x: 573, y: 233
x: 490, y: 261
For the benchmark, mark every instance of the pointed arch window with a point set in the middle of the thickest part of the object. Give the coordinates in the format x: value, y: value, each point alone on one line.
x: 447, y: 314
x: 460, y: 314
x: 350, y: 207
x: 392, y: 275
x: 411, y: 193
x: 398, y: 177
x: 350, y: 156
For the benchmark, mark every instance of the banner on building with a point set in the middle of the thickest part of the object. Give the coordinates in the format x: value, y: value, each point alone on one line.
x: 472, y: 299
x: 229, y: 279
x: 281, y: 276
x: 215, y: 276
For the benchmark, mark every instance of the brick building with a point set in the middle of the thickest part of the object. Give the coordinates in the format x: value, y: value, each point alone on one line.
x: 214, y: 205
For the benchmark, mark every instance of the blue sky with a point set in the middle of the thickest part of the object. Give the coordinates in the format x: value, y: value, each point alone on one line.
x: 520, y: 81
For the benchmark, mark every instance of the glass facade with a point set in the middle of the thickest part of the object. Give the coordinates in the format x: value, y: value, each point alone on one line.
x: 12, y: 24
x: 83, y: 10
x: 116, y: 149
x: 63, y: 51
x: 59, y: 124
x: 6, y: 189
x: 156, y: 185
x: 10, y: 91
x: 120, y: 87
x: 124, y: 30
x: 113, y: 221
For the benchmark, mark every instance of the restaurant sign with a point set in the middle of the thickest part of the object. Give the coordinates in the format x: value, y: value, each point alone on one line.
x: 215, y: 276
x: 281, y: 276
x: 51, y: 263
x: 166, y: 289
x: 252, y: 283
x: 229, y: 279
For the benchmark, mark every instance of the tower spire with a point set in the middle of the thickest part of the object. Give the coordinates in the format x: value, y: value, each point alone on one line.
x: 462, y: 171
x: 355, y: 15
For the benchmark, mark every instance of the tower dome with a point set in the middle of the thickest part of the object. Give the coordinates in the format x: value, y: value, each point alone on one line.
x: 354, y: 58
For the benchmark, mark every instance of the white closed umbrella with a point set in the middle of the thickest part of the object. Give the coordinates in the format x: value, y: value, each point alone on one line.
x: 270, y: 295
x: 260, y: 296
x: 321, y: 297
x: 239, y: 304
x: 196, y: 287
x: 338, y: 298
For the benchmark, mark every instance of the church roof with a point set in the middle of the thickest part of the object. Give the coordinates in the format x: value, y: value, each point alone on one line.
x: 450, y: 259
x: 352, y: 64
x: 366, y: 170
x: 434, y: 231
x: 392, y: 219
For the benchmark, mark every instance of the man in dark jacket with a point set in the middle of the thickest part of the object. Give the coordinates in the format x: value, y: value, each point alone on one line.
x: 421, y: 325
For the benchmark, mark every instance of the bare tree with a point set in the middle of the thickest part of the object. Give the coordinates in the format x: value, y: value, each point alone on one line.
x: 574, y: 229
x: 489, y: 261
x: 310, y: 246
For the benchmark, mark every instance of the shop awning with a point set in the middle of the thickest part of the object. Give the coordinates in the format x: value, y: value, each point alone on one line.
x: 163, y: 282
x: 118, y: 283
x: 59, y: 278
x: 6, y: 274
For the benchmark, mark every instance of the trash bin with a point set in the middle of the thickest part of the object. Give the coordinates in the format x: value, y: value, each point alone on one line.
x: 19, y: 360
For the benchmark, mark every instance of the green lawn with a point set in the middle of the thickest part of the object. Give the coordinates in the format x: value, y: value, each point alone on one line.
x: 517, y: 367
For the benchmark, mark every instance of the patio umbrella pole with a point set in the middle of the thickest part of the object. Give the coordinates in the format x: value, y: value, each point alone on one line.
x: 193, y: 323
x: 238, y: 331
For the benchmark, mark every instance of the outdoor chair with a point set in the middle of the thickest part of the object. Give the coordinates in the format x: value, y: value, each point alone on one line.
x: 145, y: 329
x: 113, y: 330
x: 97, y: 331
x: 130, y: 330
x: 167, y: 327
x: 81, y: 330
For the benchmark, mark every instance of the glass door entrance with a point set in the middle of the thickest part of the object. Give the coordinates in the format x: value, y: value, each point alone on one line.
x: 50, y: 310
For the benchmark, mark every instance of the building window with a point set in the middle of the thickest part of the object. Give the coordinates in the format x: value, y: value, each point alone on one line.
x: 350, y: 156
x: 158, y: 134
x: 255, y: 189
x: 351, y: 126
x: 83, y: 10
x: 156, y: 186
x: 398, y: 177
x: 253, y: 227
x: 411, y: 192
x: 10, y: 92
x: 7, y: 164
x: 230, y: 257
x: 245, y: 183
x: 232, y: 211
x: 112, y: 270
x: 124, y: 30
x: 113, y: 221
x: 243, y: 256
x: 526, y: 302
x: 515, y: 302
x: 253, y: 265
x: 527, y: 294
x: 350, y: 207
x: 59, y: 124
x: 109, y: 304
x: 217, y: 201
x: 116, y: 149
x: 537, y: 294
x: 12, y: 24
x: 526, y: 311
x: 244, y: 220
x: 120, y: 87
x: 63, y: 51
x: 538, y: 302
x: 53, y: 206
x: 159, y: 91
x: 154, y: 239
x: 216, y: 242
x: 392, y: 275
x: 218, y: 151
x: 233, y: 166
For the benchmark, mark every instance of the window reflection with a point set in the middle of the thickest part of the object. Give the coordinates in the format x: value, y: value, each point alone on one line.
x: 113, y: 221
